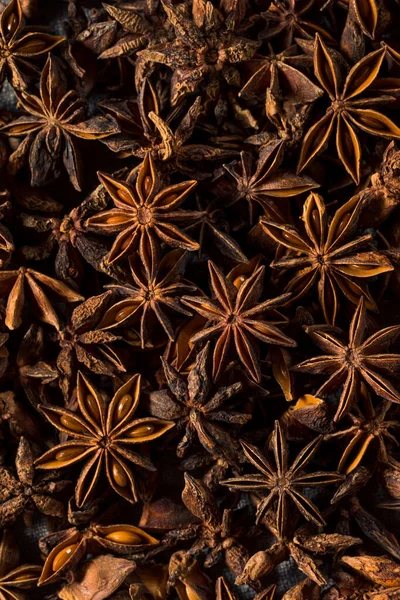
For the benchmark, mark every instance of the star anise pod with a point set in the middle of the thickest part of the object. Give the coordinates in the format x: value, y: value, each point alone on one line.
x: 327, y: 254
x: 144, y: 215
x: 204, y: 414
x: 18, y: 46
x: 83, y: 342
x: 16, y: 285
x: 51, y: 123
x: 284, y: 482
x: 26, y: 494
x: 151, y: 299
x: 382, y: 571
x: 103, y: 436
x: 14, y: 578
x: 361, y: 359
x: 266, y: 182
x: 369, y: 433
x: 348, y: 112
x: 206, y: 49
x: 237, y: 319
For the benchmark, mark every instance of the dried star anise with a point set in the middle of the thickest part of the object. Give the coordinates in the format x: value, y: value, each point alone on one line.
x: 284, y: 482
x: 14, y: 578
x: 103, y: 436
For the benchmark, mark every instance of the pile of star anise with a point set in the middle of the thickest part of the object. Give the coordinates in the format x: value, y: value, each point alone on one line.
x: 200, y: 299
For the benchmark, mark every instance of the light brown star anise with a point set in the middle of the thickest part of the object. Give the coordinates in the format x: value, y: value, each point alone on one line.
x: 144, y: 215
x: 26, y: 494
x: 201, y: 412
x: 348, y: 111
x: 151, y: 299
x: 349, y: 364
x: 284, y: 482
x: 266, y: 182
x: 206, y: 49
x: 237, y: 318
x: 51, y: 123
x: 16, y: 285
x: 368, y: 435
x: 327, y: 254
x: 103, y: 436
x: 15, y: 579
x: 19, y: 47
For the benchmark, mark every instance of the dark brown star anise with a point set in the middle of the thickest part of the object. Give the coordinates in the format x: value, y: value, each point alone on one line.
x: 237, y: 319
x: 151, y: 298
x: 207, y: 47
x: 144, y: 215
x: 348, y: 364
x: 103, y: 436
x: 284, y: 482
x: 327, y: 254
x: 18, y: 46
x: 201, y: 412
x: 51, y: 123
x: 26, y: 494
x: 348, y: 111
x: 15, y: 579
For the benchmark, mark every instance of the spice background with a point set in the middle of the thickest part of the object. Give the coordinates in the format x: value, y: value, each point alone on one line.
x: 199, y: 291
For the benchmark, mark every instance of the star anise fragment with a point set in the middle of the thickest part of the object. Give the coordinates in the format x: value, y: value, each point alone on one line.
x: 189, y: 581
x: 51, y: 123
x: 284, y: 482
x: 17, y: 286
x: 327, y: 254
x: 237, y: 318
x: 144, y: 215
x: 362, y: 359
x: 83, y: 342
x: 14, y: 578
x: 348, y: 111
x: 102, y: 436
x: 18, y: 47
x: 26, y: 494
x: 206, y: 49
x: 380, y: 570
x: 151, y: 299
x: 267, y: 181
x: 201, y: 412
x: 369, y: 433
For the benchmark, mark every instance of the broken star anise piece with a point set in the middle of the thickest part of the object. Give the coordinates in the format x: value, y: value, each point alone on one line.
x: 51, y: 123
x: 327, y: 254
x: 102, y: 436
x: 361, y: 359
x: 144, y: 215
x: 18, y: 46
x: 348, y: 111
x: 284, y: 482
x: 238, y: 319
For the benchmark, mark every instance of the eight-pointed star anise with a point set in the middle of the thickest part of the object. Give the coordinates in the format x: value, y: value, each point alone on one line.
x: 151, y: 299
x: 51, y: 123
x: 348, y: 111
x: 18, y: 47
x: 348, y: 364
x: 102, y: 436
x: 284, y: 482
x: 327, y: 253
x: 144, y: 215
x: 238, y: 319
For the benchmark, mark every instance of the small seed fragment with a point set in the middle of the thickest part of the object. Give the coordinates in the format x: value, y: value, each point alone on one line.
x: 124, y: 537
x: 63, y: 556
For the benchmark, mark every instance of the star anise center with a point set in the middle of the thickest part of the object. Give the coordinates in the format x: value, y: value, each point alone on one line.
x: 352, y: 356
x: 339, y: 106
x: 5, y: 52
x: 144, y: 215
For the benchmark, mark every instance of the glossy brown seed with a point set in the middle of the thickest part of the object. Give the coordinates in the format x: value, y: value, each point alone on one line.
x: 124, y: 406
x: 11, y: 23
x: 124, y: 195
x: 119, y: 475
x: 124, y: 313
x: 142, y: 431
x: 68, y: 454
x: 124, y: 537
x: 239, y: 281
x: 72, y: 424
x: 63, y: 556
x: 147, y: 183
x: 92, y: 407
x: 116, y: 220
x: 34, y: 46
